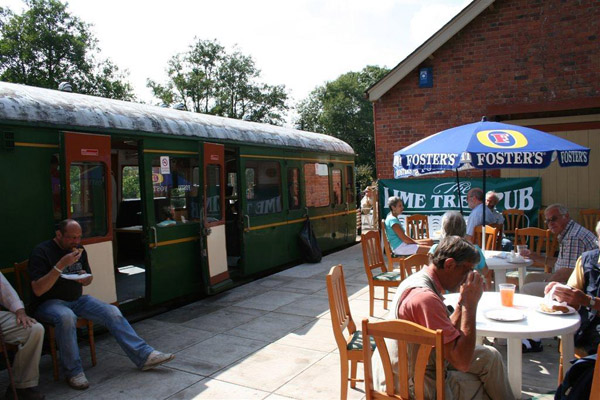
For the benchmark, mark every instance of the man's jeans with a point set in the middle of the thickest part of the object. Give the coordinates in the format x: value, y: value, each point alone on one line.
x: 63, y: 315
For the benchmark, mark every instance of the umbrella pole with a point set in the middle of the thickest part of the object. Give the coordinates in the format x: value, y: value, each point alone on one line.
x: 484, y: 209
x: 458, y: 191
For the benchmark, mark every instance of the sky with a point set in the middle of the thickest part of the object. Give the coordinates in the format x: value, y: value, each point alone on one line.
x: 301, y: 44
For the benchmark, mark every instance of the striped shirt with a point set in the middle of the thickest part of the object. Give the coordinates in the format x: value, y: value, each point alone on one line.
x: 573, y: 241
x: 10, y: 298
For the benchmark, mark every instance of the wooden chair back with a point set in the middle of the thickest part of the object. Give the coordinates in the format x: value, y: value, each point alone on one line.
x: 417, y: 226
x: 542, y: 218
x: 538, y: 242
x: 493, y: 237
x: 23, y: 283
x: 589, y: 219
x: 341, y: 321
x: 513, y: 219
x: 405, y: 333
x: 391, y: 257
x: 414, y: 263
x: 373, y: 260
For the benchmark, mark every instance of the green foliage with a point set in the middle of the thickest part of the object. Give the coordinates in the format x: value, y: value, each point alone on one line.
x: 131, y: 183
x: 339, y: 108
x: 47, y: 45
x: 364, y: 176
x: 207, y: 79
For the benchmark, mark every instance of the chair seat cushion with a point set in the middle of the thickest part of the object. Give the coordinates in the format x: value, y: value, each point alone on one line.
x: 356, y: 343
x: 387, y: 276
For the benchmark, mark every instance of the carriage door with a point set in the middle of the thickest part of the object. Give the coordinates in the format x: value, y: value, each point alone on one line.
x: 171, y: 218
x: 88, y: 195
x: 214, y: 212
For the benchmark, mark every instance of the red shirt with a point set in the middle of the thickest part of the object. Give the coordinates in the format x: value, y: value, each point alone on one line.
x: 423, y: 306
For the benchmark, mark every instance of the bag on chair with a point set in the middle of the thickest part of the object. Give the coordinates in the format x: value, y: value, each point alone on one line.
x: 578, y: 380
x: 309, y: 248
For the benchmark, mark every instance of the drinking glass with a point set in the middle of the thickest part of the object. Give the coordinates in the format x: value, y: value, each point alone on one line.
x: 522, y: 250
x: 507, y: 293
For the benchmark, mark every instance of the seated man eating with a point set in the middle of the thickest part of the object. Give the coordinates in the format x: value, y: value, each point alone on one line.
x: 419, y: 299
x: 583, y: 292
x: 60, y: 301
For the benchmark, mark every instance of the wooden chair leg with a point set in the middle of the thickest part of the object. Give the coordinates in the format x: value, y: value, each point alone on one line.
x: 52, y: 338
x: 353, y: 365
x: 371, y: 300
x: 344, y: 387
x: 90, y: 328
x: 385, y: 297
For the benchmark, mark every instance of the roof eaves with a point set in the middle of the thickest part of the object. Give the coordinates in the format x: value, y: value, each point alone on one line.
x: 437, y: 40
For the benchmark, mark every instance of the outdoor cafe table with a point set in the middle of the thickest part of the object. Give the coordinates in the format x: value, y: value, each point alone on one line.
x: 535, y: 325
x: 501, y: 265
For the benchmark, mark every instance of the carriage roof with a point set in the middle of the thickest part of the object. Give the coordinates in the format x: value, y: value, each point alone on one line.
x: 52, y: 108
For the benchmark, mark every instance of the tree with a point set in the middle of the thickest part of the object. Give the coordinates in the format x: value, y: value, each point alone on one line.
x: 339, y: 108
x: 47, y: 45
x: 207, y: 79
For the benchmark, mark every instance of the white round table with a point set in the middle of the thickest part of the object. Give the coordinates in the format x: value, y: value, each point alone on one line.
x: 535, y: 325
x: 501, y: 265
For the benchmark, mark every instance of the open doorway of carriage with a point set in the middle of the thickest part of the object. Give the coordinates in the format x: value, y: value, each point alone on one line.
x: 233, y: 215
x: 128, y: 246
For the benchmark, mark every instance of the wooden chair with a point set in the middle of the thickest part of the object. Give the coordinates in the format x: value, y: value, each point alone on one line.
x: 349, y: 345
x: 493, y: 237
x: 23, y: 283
x: 373, y: 260
x: 512, y: 220
x: 417, y: 226
x: 589, y: 219
x: 595, y: 392
x: 539, y: 243
x: 542, y: 218
x: 406, y: 334
x: 391, y: 257
x: 414, y: 263
x: 4, y: 349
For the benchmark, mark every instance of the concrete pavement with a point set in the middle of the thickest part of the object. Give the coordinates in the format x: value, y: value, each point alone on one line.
x: 269, y: 339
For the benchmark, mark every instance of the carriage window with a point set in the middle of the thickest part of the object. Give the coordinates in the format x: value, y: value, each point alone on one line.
x: 88, y: 197
x: 263, y: 187
x: 175, y: 190
x: 316, y: 185
x: 336, y: 180
x: 350, y: 190
x: 293, y: 182
x: 130, y: 181
x: 213, y: 193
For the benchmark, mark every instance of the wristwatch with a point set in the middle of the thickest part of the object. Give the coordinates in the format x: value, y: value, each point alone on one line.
x: 592, y: 302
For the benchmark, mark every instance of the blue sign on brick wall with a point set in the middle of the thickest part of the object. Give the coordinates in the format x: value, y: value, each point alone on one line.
x: 426, y: 77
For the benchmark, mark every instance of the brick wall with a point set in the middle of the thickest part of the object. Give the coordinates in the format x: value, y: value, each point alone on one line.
x: 518, y: 52
x: 316, y: 187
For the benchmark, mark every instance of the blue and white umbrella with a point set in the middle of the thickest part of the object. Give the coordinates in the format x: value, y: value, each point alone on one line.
x: 487, y: 145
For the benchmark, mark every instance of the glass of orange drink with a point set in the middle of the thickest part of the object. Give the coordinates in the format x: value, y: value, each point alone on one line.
x: 507, y: 293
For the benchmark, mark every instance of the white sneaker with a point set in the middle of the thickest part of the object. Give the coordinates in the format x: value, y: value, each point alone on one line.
x: 78, y: 381
x: 157, y: 358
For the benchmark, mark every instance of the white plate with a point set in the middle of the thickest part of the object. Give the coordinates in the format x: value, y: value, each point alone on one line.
x: 571, y: 311
x: 519, y: 261
x: 505, y: 314
x: 75, y: 277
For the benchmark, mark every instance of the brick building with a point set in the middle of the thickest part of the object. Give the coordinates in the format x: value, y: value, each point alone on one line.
x: 526, y: 62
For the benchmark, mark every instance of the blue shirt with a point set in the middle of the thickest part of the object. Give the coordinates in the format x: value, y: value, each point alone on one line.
x: 390, y: 221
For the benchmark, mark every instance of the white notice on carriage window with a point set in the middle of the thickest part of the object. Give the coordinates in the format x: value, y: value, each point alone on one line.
x: 165, y: 169
x: 321, y: 169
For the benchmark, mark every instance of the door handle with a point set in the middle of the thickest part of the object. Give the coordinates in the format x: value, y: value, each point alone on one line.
x: 248, y: 221
x: 153, y: 229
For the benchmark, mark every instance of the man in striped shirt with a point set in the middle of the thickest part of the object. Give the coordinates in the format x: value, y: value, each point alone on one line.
x: 573, y: 240
x: 20, y: 329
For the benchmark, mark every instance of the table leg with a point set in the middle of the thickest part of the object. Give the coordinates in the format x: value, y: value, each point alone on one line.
x: 499, y: 277
x: 568, y: 351
x: 514, y: 366
x: 521, y: 277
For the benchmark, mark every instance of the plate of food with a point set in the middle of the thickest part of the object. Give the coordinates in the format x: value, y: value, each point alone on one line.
x: 555, y: 309
x: 75, y: 277
x: 505, y: 314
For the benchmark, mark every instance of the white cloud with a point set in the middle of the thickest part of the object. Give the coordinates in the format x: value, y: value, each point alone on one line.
x: 431, y: 17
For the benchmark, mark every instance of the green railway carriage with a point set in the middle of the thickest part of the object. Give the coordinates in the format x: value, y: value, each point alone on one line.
x: 172, y: 204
